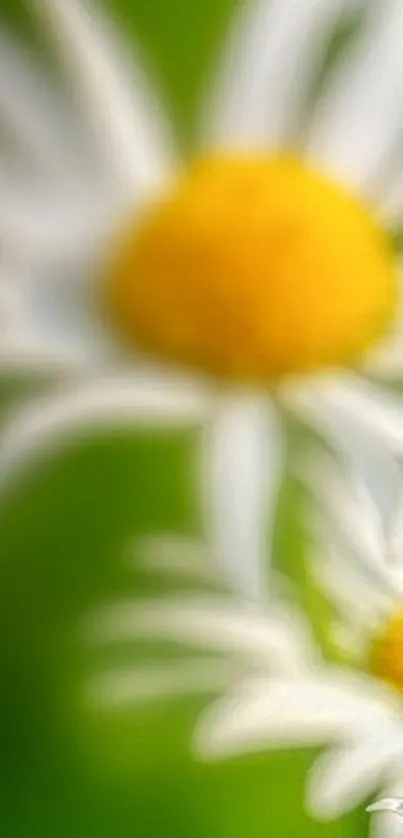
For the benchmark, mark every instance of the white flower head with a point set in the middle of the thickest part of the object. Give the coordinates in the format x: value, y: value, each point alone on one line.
x: 247, y: 266
x: 361, y: 576
x: 275, y: 690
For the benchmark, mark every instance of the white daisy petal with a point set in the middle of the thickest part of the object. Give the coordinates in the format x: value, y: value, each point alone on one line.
x: 364, y: 424
x: 356, y: 126
x: 32, y: 116
x: 12, y: 311
x: 128, y: 686
x: 279, y: 642
x: 24, y: 345
x: 264, y: 713
x: 52, y: 227
x: 397, y: 546
x: 34, y: 356
x: 53, y: 310
x: 241, y: 467
x: 385, y: 361
x: 360, y: 603
x: 390, y: 202
x: 332, y: 403
x: 363, y: 542
x: 386, y: 825
x: 174, y: 555
x: 123, y: 114
x: 266, y: 68
x: 343, y: 778
x: 139, y: 399
x: 338, y: 504
x: 386, y: 820
x: 387, y: 804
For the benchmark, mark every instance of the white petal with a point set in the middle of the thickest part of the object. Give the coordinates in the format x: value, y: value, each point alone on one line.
x: 278, y: 642
x: 345, y: 777
x: 335, y: 401
x: 128, y: 686
x: 51, y: 320
x: 390, y: 201
x: 270, y: 713
x: 386, y: 360
x: 12, y: 311
x: 143, y: 400
x: 56, y: 285
x: 29, y: 354
x: 54, y: 227
x: 175, y: 555
x: 388, y: 823
x: 241, y: 465
x: 358, y: 555
x: 387, y: 804
x: 38, y: 331
x: 397, y: 545
x: 33, y: 116
x: 364, y: 424
x: 348, y: 521
x: 356, y: 127
x: 373, y: 434
x: 338, y: 503
x: 360, y: 603
x: 24, y: 346
x: 266, y: 67
x: 124, y: 116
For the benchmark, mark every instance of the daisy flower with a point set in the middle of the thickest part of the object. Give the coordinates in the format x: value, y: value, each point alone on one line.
x: 261, y: 268
x: 276, y: 689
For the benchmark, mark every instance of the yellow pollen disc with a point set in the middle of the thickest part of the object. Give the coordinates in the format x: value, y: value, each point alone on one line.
x: 386, y: 657
x: 252, y: 268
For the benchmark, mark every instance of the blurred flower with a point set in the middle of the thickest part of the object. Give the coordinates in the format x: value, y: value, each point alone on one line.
x: 366, y: 593
x: 301, y: 259
x: 277, y: 691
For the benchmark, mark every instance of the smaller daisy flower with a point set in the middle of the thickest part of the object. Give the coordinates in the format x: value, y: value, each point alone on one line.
x: 276, y: 690
x: 366, y: 592
x: 356, y: 565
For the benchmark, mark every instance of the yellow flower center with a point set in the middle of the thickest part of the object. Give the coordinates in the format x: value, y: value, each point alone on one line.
x: 386, y: 658
x: 251, y: 268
